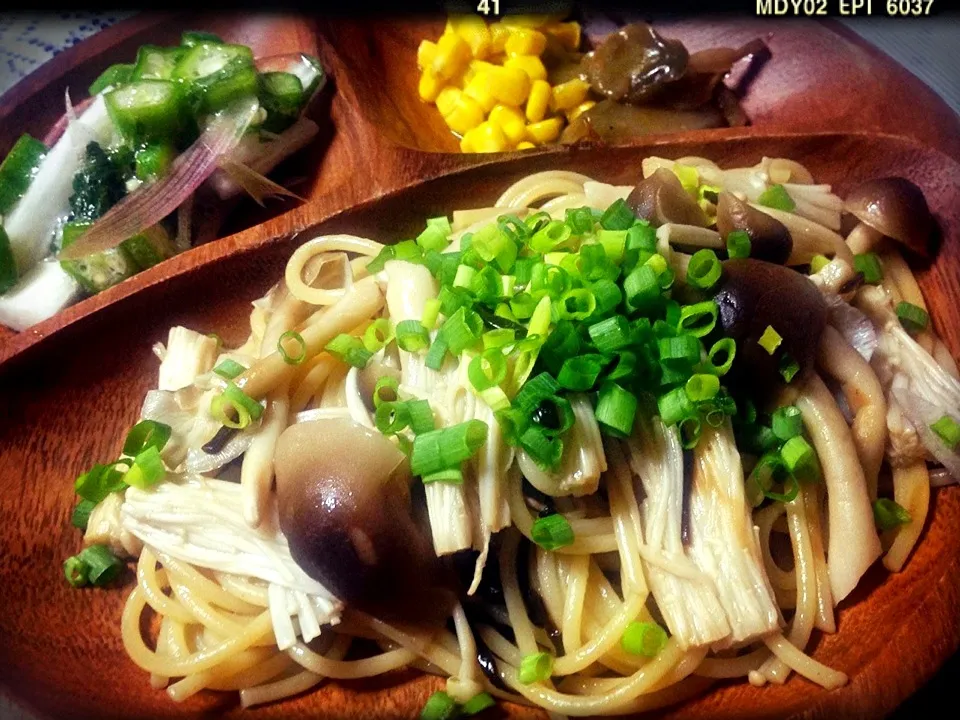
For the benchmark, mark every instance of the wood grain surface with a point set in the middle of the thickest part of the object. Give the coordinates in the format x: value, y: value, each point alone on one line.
x: 70, y: 387
x: 67, y: 402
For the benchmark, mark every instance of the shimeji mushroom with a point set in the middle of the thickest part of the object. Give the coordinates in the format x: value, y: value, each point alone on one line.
x: 769, y: 238
x: 661, y: 199
x: 890, y: 207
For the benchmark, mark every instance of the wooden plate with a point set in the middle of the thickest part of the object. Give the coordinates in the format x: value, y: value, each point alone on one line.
x: 68, y: 401
x: 378, y: 137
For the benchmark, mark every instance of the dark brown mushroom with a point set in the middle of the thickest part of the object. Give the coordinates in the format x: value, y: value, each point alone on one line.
x: 367, y: 378
x: 344, y: 501
x: 618, y: 124
x: 632, y: 65
x: 769, y: 238
x: 661, y: 198
x: 892, y: 207
x: 754, y: 295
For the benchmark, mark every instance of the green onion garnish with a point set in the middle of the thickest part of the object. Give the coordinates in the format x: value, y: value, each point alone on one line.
x: 580, y: 220
x: 431, y: 313
x: 242, y: 405
x: 544, y: 450
x: 76, y: 571
x: 800, y: 458
x: 434, y: 236
x: 690, y: 430
x: 487, y: 369
x: 81, y: 514
x: 702, y: 387
x: 698, y: 319
x: 618, y: 216
x: 818, y: 263
x: 777, y: 197
x: 625, y: 367
x: 436, y: 354
x: 581, y: 372
x: 868, y: 264
x: 738, y: 244
x: 788, y: 367
x: 385, y: 390
x: 674, y: 406
x: 644, y: 638
x: 770, y: 340
x: 913, y: 318
x: 95, y: 565
x: 534, y: 391
x: 146, y: 433
x: 421, y: 416
x: 478, y: 703
x: 948, y: 430
x: 147, y: 469
x: 391, y: 417
x: 461, y: 330
x: 451, y: 476
x: 721, y: 355
x: 535, y: 668
x: 440, y: 706
x: 377, y: 335
x: 682, y: 350
x: 552, y: 235
x: 611, y: 334
x: 349, y: 349
x: 447, y: 447
x: 616, y: 409
x: 642, y: 288
x: 100, y: 481
x: 229, y: 369
x: 412, y: 336
x: 299, y: 352
x: 787, y: 422
x: 552, y: 532
x: 887, y: 514
x: 704, y: 269
x: 498, y: 338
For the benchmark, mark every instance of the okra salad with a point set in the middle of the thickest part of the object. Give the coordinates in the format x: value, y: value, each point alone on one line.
x: 138, y: 172
x: 592, y: 448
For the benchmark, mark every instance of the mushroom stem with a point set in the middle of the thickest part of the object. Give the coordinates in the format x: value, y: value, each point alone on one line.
x: 690, y: 236
x: 863, y: 238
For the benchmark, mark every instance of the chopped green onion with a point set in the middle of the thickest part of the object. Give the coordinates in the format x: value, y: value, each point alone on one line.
x: 552, y: 532
x: 818, y: 263
x: 535, y: 391
x: 614, y: 243
x: 642, y: 288
x: 478, y: 703
x: 498, y: 338
x: 720, y: 357
x: 644, y: 638
x: 536, y: 667
x: 451, y: 476
x: 581, y: 372
x: 452, y: 299
x: 229, y: 369
x: 101, y: 480
x: 682, y: 350
x: 487, y: 369
x: 147, y: 469
x: 702, y: 387
x: 948, y: 430
x: 658, y: 262
x: 913, y: 318
x: 577, y: 304
x: 464, y: 276
x: 412, y: 336
x: 434, y: 236
x: 549, y: 280
x: 376, y: 265
x: 607, y: 295
x: 688, y: 176
x: 444, y: 448
x: 888, y: 514
x: 376, y: 336
x: 495, y: 398
x: 544, y: 450
x: 349, y: 349
x: 409, y: 251
x: 738, y: 244
x: 392, y: 417
x: 544, y: 240
x: 674, y: 406
x: 777, y: 197
x: 76, y: 571
x: 642, y: 236
x: 461, y: 330
x: 514, y: 228
x: 868, y: 264
x: 616, y: 409
x: 246, y: 408
x: 698, y: 319
x: 690, y: 430
x: 301, y: 353
x: 81, y: 514
x: 431, y: 312
x: 770, y: 340
x: 440, y: 706
x: 436, y: 354
x: 800, y: 458
x: 618, y: 216
x: 787, y: 422
x: 611, y: 334
x: 704, y: 269
x: 102, y: 565
x: 580, y: 220
x: 769, y: 469
x: 146, y: 433
x: 788, y: 367
x: 421, y: 416
x: 625, y: 367
x: 385, y: 390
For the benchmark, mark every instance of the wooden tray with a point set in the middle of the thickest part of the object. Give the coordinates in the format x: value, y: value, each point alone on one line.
x: 71, y: 386
x: 67, y: 404
x: 379, y: 137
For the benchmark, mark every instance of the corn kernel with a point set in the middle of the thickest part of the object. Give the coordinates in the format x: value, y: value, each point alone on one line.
x: 452, y: 57
x: 569, y: 94
x: 479, y: 88
x: 466, y: 144
x: 509, y: 85
x: 530, y: 64
x: 567, y: 34
x: 538, y: 100
x: 579, y: 110
x: 430, y: 86
x: 525, y: 145
x: 474, y: 30
x: 465, y: 115
x: 426, y: 52
x: 498, y: 37
x: 525, y: 41
x: 475, y: 67
x: 486, y: 137
x: 545, y: 131
x: 510, y: 120
x: 447, y: 99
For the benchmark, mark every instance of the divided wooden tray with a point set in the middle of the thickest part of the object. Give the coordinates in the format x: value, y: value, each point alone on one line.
x: 71, y: 387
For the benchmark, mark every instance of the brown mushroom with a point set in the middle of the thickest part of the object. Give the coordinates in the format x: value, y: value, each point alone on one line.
x: 754, y: 295
x: 890, y: 207
x: 344, y: 501
x: 618, y: 124
x: 769, y: 238
x: 632, y: 65
x: 661, y: 198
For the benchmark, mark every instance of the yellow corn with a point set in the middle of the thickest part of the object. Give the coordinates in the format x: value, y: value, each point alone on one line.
x: 466, y: 144
x: 479, y: 88
x: 425, y: 54
x: 447, y: 99
x: 569, y: 94
x: 465, y: 115
x: 538, y: 100
x: 530, y: 64
x: 452, y: 56
x: 498, y: 37
x: 545, y: 131
x: 525, y: 41
x: 509, y: 85
x: 486, y: 137
x: 576, y: 112
x: 430, y: 86
x: 525, y: 145
x: 567, y: 34
x: 510, y: 120
x: 475, y: 67
x: 474, y: 31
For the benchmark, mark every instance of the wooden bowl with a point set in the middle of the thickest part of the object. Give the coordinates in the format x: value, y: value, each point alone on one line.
x: 67, y: 401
